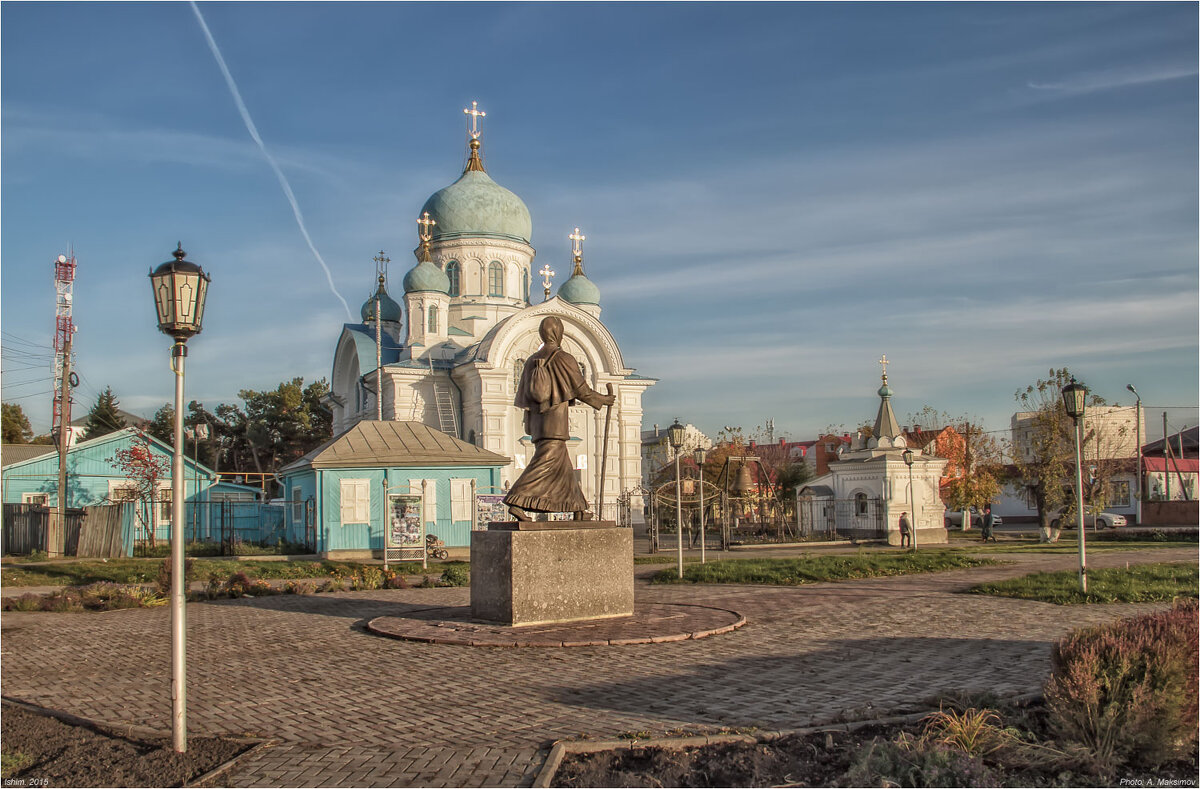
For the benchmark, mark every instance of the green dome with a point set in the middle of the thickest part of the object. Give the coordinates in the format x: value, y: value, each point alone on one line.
x: 388, y: 307
x: 426, y: 276
x: 885, y: 390
x: 475, y: 205
x: 579, y: 290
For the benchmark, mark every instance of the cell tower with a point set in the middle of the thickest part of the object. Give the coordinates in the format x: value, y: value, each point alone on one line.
x: 64, y: 329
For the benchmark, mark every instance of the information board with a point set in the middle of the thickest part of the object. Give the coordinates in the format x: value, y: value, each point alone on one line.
x: 489, y: 507
x: 406, y: 527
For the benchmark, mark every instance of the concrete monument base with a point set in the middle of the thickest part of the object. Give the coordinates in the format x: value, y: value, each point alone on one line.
x: 529, y: 573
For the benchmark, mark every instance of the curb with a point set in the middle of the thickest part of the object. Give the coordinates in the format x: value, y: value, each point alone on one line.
x: 562, y: 747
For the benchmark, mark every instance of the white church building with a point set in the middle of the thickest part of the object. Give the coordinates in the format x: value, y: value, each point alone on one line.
x: 450, y: 356
x: 870, y: 485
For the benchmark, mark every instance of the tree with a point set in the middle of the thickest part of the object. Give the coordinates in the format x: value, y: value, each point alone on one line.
x: 162, y: 424
x: 16, y: 428
x: 972, y: 475
x: 145, y: 469
x: 104, y: 418
x: 1044, y: 452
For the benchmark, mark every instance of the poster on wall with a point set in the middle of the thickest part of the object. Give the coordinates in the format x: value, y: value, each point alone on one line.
x: 406, y: 529
x: 489, y: 507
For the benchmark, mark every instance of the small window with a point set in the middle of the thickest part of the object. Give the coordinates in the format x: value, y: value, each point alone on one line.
x: 432, y: 327
x: 860, y: 504
x: 355, y: 501
x: 495, y: 278
x: 525, y: 284
x: 36, y: 499
x: 164, y: 505
x: 297, y: 505
x: 452, y: 274
x: 1120, y: 493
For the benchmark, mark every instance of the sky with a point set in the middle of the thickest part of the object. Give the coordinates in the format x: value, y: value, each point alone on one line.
x: 774, y: 195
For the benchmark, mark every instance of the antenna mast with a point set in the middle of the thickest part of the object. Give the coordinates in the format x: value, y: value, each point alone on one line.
x: 60, y: 427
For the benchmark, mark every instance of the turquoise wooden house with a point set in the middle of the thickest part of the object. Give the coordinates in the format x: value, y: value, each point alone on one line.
x: 342, y: 487
x: 94, y: 478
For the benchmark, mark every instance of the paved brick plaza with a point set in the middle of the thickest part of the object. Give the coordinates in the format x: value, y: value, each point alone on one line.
x: 349, y: 708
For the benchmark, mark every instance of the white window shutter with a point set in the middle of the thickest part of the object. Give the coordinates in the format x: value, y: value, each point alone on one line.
x: 460, y: 500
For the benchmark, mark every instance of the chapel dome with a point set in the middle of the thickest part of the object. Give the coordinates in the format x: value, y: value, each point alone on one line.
x: 579, y: 290
x: 389, y: 309
x: 426, y: 277
x: 475, y: 205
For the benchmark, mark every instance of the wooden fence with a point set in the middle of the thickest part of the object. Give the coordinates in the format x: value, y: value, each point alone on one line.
x: 91, y: 532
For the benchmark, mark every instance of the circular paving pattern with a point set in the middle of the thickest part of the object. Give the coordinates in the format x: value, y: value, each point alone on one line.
x: 651, y: 623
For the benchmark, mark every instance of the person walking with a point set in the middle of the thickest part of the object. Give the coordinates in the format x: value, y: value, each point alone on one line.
x: 989, y: 524
x: 906, y: 533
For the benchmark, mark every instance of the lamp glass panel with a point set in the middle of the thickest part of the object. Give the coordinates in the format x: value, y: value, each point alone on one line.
x: 185, y: 292
x: 201, y: 296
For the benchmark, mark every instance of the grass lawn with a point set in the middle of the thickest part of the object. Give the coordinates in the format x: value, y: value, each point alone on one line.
x: 140, y: 571
x: 809, y: 569
x: 1139, y: 583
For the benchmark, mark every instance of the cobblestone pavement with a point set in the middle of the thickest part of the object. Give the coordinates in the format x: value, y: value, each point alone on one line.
x: 348, y: 708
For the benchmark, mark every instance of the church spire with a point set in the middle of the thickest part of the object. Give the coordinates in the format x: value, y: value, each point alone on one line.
x: 886, y: 425
x: 474, y: 162
x: 425, y: 232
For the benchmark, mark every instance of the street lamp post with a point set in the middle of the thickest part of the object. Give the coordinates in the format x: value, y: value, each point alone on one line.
x: 1138, y: 428
x: 908, y: 461
x: 701, y: 455
x: 675, y: 437
x: 1074, y: 396
x: 180, y: 288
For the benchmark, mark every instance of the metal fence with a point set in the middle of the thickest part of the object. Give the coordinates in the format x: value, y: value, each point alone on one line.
x: 858, y: 518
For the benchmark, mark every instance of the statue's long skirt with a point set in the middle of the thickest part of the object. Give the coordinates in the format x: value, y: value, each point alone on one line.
x: 548, y: 483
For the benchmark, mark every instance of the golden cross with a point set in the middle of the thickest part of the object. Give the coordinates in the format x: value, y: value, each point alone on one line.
x: 883, y: 360
x: 546, y: 273
x: 577, y: 243
x: 424, y: 231
x: 475, y: 114
x: 382, y: 259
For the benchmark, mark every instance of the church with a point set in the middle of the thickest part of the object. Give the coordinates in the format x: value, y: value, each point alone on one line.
x: 451, y: 354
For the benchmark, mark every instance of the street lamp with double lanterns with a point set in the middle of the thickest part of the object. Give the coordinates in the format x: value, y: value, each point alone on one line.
x: 1074, y: 397
x: 701, y: 455
x: 675, y: 437
x: 180, y: 288
x: 912, y: 502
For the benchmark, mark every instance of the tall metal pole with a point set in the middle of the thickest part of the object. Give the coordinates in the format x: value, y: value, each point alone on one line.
x: 701, y: 513
x: 178, y: 582
x: 913, y: 502
x: 678, y: 515
x: 56, y: 537
x: 1166, y: 455
x: 1138, y: 475
x: 1079, y: 504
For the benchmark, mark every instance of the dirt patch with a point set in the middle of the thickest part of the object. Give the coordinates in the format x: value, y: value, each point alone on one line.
x: 46, y: 751
x: 815, y: 759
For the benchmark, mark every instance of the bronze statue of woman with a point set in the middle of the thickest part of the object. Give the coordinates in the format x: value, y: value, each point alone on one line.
x: 550, y: 384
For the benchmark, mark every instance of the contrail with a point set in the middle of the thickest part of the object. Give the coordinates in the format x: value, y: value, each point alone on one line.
x: 250, y: 127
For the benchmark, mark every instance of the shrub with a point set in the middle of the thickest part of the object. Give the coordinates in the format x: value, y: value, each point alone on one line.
x: 300, y: 587
x: 26, y: 602
x: 1128, y: 690
x: 38, y: 555
x: 333, y: 585
x: 973, y: 731
x: 911, y: 762
x: 456, y: 575
x: 164, y: 575
x: 240, y: 585
x: 394, y: 580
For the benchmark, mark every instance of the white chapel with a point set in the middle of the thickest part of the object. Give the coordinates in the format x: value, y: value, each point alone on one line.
x: 450, y: 356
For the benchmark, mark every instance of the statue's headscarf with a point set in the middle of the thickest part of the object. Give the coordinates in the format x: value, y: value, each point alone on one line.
x: 551, y: 330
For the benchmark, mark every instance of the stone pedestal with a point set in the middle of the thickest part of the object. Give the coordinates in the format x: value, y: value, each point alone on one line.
x: 551, y: 571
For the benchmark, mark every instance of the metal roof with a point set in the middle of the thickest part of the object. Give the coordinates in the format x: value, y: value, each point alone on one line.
x: 371, y: 443
x: 18, y: 453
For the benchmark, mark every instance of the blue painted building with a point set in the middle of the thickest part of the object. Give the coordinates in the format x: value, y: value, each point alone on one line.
x: 94, y: 478
x: 340, y: 489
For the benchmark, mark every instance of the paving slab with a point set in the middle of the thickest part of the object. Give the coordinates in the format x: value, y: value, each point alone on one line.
x: 347, y: 707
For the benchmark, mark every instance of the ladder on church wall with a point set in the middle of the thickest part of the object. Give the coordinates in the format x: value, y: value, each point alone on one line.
x: 447, y: 418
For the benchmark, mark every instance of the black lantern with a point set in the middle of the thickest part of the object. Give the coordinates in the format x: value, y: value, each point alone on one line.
x: 1074, y: 395
x: 180, y: 287
x: 700, y: 455
x: 908, y: 457
x: 675, y: 435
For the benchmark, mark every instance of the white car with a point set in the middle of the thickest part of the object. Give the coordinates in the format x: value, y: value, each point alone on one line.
x: 1094, y: 519
x: 954, y: 519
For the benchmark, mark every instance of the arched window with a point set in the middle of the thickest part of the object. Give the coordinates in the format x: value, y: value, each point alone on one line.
x: 518, y: 368
x: 495, y: 278
x: 860, y: 504
x: 525, y: 284
x: 433, y: 319
x: 453, y: 275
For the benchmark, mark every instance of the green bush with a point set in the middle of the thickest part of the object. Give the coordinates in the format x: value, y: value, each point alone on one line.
x: 456, y: 576
x: 300, y: 587
x: 164, y: 575
x: 908, y: 762
x: 1128, y: 690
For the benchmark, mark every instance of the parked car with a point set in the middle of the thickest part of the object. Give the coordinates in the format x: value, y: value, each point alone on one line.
x: 954, y: 519
x: 1095, y: 519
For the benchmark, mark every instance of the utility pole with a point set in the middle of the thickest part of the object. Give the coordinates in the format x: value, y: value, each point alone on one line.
x: 60, y: 423
x: 1166, y: 454
x: 56, y: 534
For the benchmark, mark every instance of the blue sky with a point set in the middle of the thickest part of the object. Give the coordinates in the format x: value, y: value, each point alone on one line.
x: 774, y: 195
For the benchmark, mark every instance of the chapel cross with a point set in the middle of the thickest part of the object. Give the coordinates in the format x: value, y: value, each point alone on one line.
x: 577, y: 243
x: 381, y: 261
x: 884, y: 361
x: 475, y: 114
x: 546, y: 273
x: 425, y: 223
